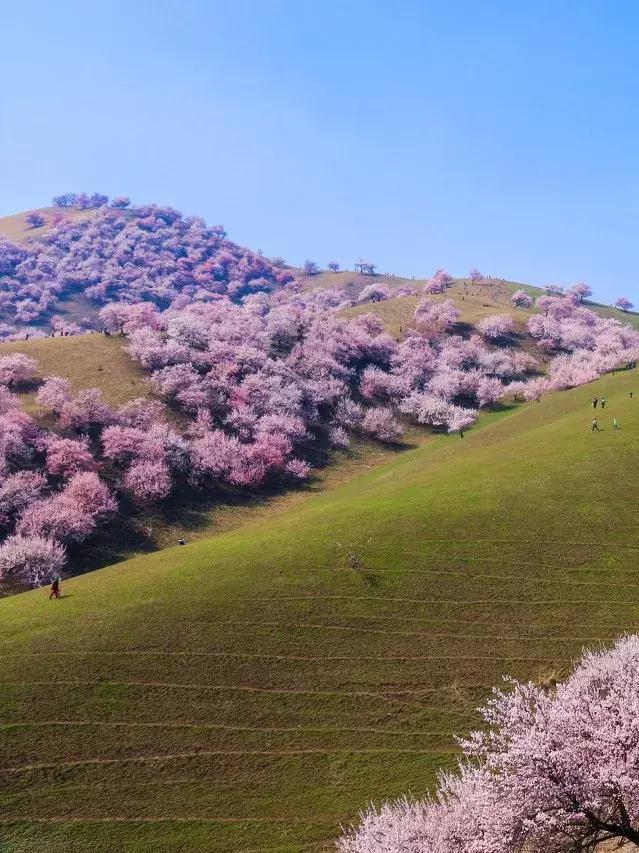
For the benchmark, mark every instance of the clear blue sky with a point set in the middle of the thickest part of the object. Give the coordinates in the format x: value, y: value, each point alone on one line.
x: 502, y: 135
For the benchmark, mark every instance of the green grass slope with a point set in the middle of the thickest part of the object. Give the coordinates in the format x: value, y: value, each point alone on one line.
x: 473, y: 301
x: 254, y: 690
x: 87, y: 361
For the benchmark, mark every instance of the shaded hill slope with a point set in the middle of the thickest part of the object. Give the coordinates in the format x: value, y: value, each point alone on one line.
x: 254, y: 690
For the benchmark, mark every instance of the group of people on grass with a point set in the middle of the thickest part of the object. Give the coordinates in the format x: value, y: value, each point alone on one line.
x: 602, y: 403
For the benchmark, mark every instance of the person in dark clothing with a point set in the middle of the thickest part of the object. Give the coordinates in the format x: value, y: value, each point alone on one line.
x: 603, y: 402
x: 594, y: 403
x: 181, y: 541
x: 55, y: 588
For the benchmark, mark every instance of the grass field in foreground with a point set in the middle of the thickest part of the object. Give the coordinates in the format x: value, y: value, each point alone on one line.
x: 252, y: 691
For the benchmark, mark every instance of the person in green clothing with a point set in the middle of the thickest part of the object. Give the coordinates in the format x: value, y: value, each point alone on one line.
x: 615, y: 424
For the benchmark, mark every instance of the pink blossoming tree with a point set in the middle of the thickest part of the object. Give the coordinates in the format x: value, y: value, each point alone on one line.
x: 521, y: 299
x: 623, y: 303
x: 497, y: 326
x: 30, y: 561
x: 555, y: 769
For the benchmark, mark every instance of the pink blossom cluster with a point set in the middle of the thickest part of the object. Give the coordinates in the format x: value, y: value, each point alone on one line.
x: 623, y: 303
x: 230, y: 367
x: 17, y: 369
x: 585, y: 344
x: 438, y: 282
x: 375, y: 293
x: 51, y: 495
x: 57, y: 485
x: 496, y: 326
x: 553, y: 770
x: 521, y: 299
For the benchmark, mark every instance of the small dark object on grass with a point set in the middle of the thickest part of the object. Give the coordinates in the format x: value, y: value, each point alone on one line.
x: 181, y: 541
x: 55, y: 588
x: 353, y: 561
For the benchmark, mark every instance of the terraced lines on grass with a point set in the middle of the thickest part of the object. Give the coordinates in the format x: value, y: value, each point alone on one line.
x: 254, y: 675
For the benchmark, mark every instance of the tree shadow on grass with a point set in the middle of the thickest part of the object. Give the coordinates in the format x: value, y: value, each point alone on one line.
x: 191, y: 511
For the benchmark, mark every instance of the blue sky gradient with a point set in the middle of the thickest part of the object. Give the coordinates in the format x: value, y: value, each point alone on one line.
x: 492, y: 134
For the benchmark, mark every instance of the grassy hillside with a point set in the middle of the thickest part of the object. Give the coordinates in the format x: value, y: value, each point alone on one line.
x: 473, y: 301
x: 87, y: 361
x: 15, y: 227
x: 254, y: 690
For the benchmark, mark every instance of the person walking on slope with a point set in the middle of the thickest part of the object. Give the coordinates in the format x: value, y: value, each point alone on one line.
x: 594, y: 403
x: 615, y: 424
x: 595, y: 426
x: 603, y: 402
x: 55, y: 588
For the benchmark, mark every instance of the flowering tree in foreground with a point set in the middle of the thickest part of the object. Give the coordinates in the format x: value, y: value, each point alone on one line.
x: 556, y: 770
x: 623, y: 303
x: 66, y: 456
x: 497, y: 326
x: 436, y: 317
x: 380, y: 424
x: 30, y: 560
x: 521, y: 299
x: 148, y: 481
x: 17, y: 368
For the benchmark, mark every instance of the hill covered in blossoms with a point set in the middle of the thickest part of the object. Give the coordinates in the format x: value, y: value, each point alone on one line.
x: 122, y: 253
x: 253, y: 374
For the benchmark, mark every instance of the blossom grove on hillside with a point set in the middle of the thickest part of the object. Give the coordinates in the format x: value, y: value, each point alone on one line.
x: 259, y: 376
x: 556, y: 770
x: 141, y: 253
